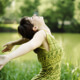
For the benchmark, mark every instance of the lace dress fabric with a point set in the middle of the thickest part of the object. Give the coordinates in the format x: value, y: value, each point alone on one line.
x: 50, y: 60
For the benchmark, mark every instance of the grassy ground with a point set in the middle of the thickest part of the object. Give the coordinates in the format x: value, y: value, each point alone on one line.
x: 27, y: 66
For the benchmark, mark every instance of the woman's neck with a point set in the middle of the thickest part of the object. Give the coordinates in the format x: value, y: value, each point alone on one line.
x: 45, y: 27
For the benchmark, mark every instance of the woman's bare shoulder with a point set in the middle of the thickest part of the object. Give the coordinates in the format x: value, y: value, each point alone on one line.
x: 38, y: 38
x: 40, y: 33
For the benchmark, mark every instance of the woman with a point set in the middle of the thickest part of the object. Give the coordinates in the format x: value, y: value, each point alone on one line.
x: 36, y: 36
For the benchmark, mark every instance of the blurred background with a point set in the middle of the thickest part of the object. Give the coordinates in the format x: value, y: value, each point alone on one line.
x: 61, y: 16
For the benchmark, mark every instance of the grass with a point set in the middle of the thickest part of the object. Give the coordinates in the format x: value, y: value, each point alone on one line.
x: 27, y: 66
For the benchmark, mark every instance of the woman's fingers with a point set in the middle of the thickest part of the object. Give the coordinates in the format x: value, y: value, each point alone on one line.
x: 6, y: 49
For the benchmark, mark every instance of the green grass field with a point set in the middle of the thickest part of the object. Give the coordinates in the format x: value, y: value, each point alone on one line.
x: 27, y: 66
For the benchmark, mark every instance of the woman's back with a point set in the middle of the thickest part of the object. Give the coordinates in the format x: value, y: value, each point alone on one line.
x: 50, y: 60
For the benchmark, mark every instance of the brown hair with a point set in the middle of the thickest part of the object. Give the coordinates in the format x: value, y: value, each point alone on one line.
x: 25, y: 28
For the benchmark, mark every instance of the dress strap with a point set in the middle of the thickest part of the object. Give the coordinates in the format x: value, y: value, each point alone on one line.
x: 49, y: 34
x: 45, y: 31
x: 49, y: 40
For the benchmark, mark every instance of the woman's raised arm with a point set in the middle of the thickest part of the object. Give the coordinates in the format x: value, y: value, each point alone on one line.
x: 34, y: 43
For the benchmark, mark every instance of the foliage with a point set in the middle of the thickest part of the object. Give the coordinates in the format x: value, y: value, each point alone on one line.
x: 74, y: 27
x: 52, y: 10
x: 69, y: 72
x: 8, y: 27
x: 64, y: 11
x: 3, y: 4
x: 26, y: 70
x: 20, y: 70
x: 29, y: 7
x: 77, y: 10
x: 51, y: 19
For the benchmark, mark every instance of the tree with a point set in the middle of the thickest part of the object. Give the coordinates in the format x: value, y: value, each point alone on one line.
x: 51, y: 19
x: 65, y: 10
x: 59, y: 10
x: 29, y: 7
x: 3, y: 4
x: 77, y: 11
x: 77, y: 16
x: 48, y: 10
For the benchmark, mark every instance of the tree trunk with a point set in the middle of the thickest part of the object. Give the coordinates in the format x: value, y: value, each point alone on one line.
x: 62, y: 26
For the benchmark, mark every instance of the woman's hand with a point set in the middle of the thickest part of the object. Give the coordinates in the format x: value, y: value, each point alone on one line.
x: 4, y: 59
x: 8, y: 47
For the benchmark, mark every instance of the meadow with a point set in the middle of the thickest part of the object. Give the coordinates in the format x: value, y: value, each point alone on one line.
x: 27, y: 66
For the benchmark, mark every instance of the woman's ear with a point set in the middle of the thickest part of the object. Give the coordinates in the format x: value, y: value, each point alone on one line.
x: 35, y: 28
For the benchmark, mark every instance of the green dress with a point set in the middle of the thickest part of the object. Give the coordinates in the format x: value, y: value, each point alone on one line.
x: 50, y: 60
